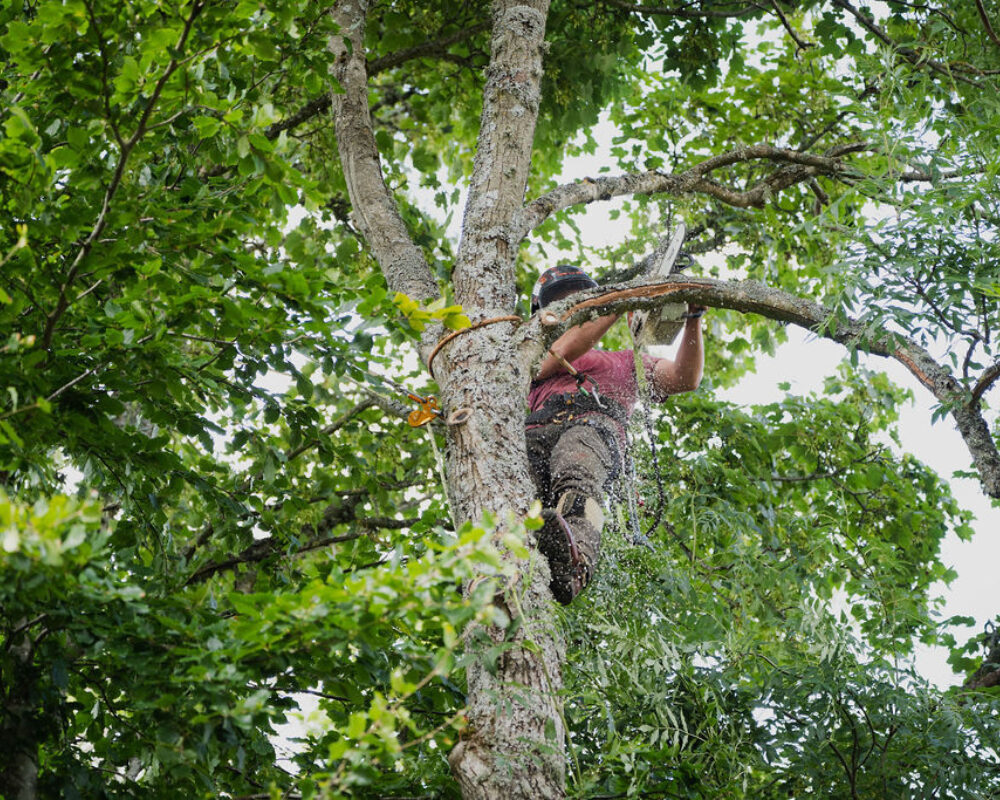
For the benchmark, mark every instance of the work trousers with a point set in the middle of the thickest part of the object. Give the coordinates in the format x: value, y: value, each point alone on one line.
x: 573, y: 464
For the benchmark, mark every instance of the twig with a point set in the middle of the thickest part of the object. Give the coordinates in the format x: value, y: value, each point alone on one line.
x: 320, y: 105
x: 986, y: 23
x: 802, y: 45
x: 333, y: 427
x: 125, y: 149
x: 906, y: 52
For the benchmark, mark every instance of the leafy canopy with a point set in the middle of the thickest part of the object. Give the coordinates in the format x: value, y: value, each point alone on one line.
x: 210, y: 508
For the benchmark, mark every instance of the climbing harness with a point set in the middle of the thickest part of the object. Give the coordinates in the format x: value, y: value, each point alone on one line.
x: 562, y: 408
x: 651, y: 328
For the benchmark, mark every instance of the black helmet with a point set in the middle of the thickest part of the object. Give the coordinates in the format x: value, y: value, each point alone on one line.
x: 558, y: 281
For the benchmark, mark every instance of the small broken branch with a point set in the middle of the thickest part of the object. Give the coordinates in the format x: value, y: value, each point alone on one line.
x: 985, y: 382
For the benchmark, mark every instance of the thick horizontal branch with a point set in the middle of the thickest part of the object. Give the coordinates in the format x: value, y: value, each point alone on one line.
x: 757, y: 298
x: 689, y: 10
x: 796, y: 167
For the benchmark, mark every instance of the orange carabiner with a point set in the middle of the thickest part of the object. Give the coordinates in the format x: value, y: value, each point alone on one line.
x: 427, y: 411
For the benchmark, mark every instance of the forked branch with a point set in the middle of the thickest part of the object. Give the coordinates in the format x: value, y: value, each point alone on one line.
x: 796, y: 167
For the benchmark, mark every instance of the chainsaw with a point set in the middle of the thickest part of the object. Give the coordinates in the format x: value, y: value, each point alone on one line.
x: 661, y: 326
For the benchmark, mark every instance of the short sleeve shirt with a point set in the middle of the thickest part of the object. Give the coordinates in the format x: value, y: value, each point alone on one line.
x: 611, y: 373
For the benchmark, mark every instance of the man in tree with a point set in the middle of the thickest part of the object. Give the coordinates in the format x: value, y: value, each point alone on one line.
x: 580, y: 403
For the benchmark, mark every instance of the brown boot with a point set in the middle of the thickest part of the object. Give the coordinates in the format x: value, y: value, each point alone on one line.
x: 570, y: 569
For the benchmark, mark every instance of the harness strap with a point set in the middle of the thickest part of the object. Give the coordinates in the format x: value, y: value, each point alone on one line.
x: 562, y: 408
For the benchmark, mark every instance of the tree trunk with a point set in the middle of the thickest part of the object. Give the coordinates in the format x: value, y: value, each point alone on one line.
x: 513, y: 746
x: 18, y: 734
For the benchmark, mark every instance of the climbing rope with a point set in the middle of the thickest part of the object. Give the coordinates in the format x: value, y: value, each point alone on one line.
x: 674, y: 261
x: 454, y: 334
x: 642, y: 385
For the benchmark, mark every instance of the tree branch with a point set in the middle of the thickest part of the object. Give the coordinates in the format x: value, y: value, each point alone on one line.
x: 402, y: 262
x: 801, y: 167
x: 332, y: 428
x: 124, y: 151
x: 484, y: 266
x: 986, y: 23
x: 802, y: 45
x: 432, y: 47
x: 265, y: 548
x: 757, y: 298
x: 908, y: 53
x: 986, y: 381
x: 738, y: 10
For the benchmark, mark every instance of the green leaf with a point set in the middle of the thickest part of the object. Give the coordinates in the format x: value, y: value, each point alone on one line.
x: 207, y: 126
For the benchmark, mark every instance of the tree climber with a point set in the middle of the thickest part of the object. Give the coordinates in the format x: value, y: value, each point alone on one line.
x: 580, y: 403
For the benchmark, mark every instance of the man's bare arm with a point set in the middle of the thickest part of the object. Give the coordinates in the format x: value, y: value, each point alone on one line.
x: 683, y: 374
x: 573, y: 344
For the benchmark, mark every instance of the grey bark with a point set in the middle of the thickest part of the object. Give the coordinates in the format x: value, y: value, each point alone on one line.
x: 373, y: 207
x: 513, y: 744
x: 514, y: 747
x: 792, y: 167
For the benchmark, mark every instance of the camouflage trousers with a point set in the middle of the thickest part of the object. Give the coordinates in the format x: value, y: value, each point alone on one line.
x: 573, y: 465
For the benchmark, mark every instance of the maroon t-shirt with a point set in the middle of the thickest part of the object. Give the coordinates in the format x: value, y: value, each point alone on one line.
x: 611, y: 373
